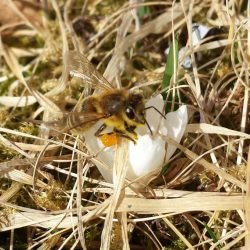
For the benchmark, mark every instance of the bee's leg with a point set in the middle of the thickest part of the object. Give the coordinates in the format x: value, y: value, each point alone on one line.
x: 100, y: 129
x: 122, y: 134
x: 130, y: 132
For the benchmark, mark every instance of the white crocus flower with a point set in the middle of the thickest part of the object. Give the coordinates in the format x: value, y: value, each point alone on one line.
x: 149, y: 152
x: 199, y: 32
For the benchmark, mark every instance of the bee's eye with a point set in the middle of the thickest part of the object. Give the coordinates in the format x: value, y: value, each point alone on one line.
x: 130, y: 113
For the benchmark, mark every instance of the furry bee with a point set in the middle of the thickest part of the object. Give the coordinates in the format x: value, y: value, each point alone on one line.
x: 120, y: 109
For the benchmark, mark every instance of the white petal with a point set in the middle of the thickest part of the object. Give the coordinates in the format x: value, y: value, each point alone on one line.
x: 149, y: 153
x: 199, y: 31
x: 152, y: 116
x: 146, y: 155
x: 186, y: 61
x: 176, y: 123
x: 106, y: 156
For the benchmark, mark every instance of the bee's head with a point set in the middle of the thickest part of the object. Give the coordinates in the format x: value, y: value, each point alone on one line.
x: 135, y: 109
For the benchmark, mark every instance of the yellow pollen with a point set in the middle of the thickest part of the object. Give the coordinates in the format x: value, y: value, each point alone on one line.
x: 109, y: 140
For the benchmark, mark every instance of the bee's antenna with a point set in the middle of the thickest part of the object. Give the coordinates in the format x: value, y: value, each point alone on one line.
x: 148, y: 126
x: 157, y: 110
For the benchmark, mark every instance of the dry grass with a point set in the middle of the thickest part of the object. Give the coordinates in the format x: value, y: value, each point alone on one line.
x: 51, y: 194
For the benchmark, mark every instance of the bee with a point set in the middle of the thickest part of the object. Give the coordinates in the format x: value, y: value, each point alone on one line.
x: 122, y: 110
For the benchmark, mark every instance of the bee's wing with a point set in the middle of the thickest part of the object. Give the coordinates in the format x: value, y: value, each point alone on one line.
x: 80, y: 66
x: 74, y: 120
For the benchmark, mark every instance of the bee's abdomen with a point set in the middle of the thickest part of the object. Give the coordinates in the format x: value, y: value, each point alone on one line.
x: 87, y: 114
